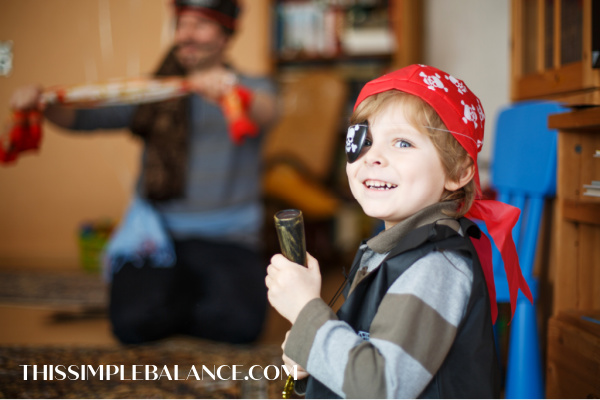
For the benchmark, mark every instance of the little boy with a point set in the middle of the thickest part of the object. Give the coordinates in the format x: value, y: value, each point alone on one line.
x: 417, y: 320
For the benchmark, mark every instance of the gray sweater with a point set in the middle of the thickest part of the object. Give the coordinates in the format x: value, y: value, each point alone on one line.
x: 223, y: 192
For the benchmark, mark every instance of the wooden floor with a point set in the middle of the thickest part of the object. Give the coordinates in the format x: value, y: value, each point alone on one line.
x: 43, y: 325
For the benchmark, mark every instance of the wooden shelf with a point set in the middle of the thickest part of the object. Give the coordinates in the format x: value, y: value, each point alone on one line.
x: 582, y: 212
x: 403, y: 20
x: 338, y: 59
x: 586, y: 118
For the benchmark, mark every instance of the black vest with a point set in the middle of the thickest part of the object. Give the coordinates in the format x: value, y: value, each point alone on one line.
x: 471, y: 368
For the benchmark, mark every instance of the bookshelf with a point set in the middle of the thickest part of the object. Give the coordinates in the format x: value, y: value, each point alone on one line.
x: 346, y: 31
x: 556, y: 50
x: 593, y: 188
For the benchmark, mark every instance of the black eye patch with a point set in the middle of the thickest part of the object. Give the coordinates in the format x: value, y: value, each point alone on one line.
x: 355, y: 140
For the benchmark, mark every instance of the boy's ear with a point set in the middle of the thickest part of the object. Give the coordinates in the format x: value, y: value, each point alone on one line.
x: 468, y: 172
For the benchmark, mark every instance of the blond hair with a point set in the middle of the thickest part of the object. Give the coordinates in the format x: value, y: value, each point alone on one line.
x: 426, y: 120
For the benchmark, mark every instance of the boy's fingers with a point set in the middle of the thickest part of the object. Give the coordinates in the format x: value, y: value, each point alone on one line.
x: 278, y: 259
x: 312, y: 262
x: 285, y: 340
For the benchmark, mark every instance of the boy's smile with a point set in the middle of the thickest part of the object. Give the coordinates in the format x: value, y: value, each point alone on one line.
x: 378, y: 185
x: 399, y: 172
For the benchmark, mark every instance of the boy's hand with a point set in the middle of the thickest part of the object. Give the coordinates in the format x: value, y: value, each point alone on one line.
x: 290, y: 364
x: 291, y: 286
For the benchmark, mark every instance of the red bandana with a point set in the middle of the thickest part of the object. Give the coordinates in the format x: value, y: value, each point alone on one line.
x: 463, y: 115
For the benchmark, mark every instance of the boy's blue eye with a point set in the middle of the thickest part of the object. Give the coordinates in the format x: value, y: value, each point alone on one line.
x: 402, y: 143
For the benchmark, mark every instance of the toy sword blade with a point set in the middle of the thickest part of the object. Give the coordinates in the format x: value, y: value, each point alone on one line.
x: 290, y: 231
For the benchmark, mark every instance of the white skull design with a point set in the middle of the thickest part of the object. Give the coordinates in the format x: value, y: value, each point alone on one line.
x: 351, y: 147
x: 470, y: 114
x: 433, y: 81
x: 462, y: 89
x: 480, y: 111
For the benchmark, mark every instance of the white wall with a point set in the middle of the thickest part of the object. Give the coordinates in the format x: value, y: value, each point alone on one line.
x: 470, y: 39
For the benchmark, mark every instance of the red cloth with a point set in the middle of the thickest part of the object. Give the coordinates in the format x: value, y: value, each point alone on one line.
x: 25, y: 134
x: 235, y: 105
x: 500, y: 219
x: 462, y: 113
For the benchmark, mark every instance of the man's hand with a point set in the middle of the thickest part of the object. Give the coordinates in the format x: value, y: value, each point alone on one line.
x: 29, y: 97
x: 26, y: 97
x: 212, y: 84
x: 291, y: 286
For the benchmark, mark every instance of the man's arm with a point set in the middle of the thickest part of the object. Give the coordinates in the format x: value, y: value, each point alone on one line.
x: 215, y: 83
x: 28, y: 97
x: 73, y: 119
x: 264, y: 110
x: 60, y: 115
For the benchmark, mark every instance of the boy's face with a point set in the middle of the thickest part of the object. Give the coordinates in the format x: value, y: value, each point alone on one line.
x: 400, y: 173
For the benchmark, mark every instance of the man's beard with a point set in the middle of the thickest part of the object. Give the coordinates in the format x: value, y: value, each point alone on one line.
x: 204, y: 55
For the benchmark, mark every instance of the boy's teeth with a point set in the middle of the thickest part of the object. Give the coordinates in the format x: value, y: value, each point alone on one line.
x: 379, y: 185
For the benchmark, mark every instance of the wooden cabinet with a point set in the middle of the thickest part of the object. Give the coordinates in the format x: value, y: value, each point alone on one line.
x: 573, y: 354
x: 556, y: 50
x: 577, y: 279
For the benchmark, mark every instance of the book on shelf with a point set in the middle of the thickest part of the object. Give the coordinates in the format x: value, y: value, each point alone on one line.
x: 328, y: 29
x: 593, y: 189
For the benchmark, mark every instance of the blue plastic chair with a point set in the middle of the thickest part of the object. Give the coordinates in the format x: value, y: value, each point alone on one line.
x: 524, y: 175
